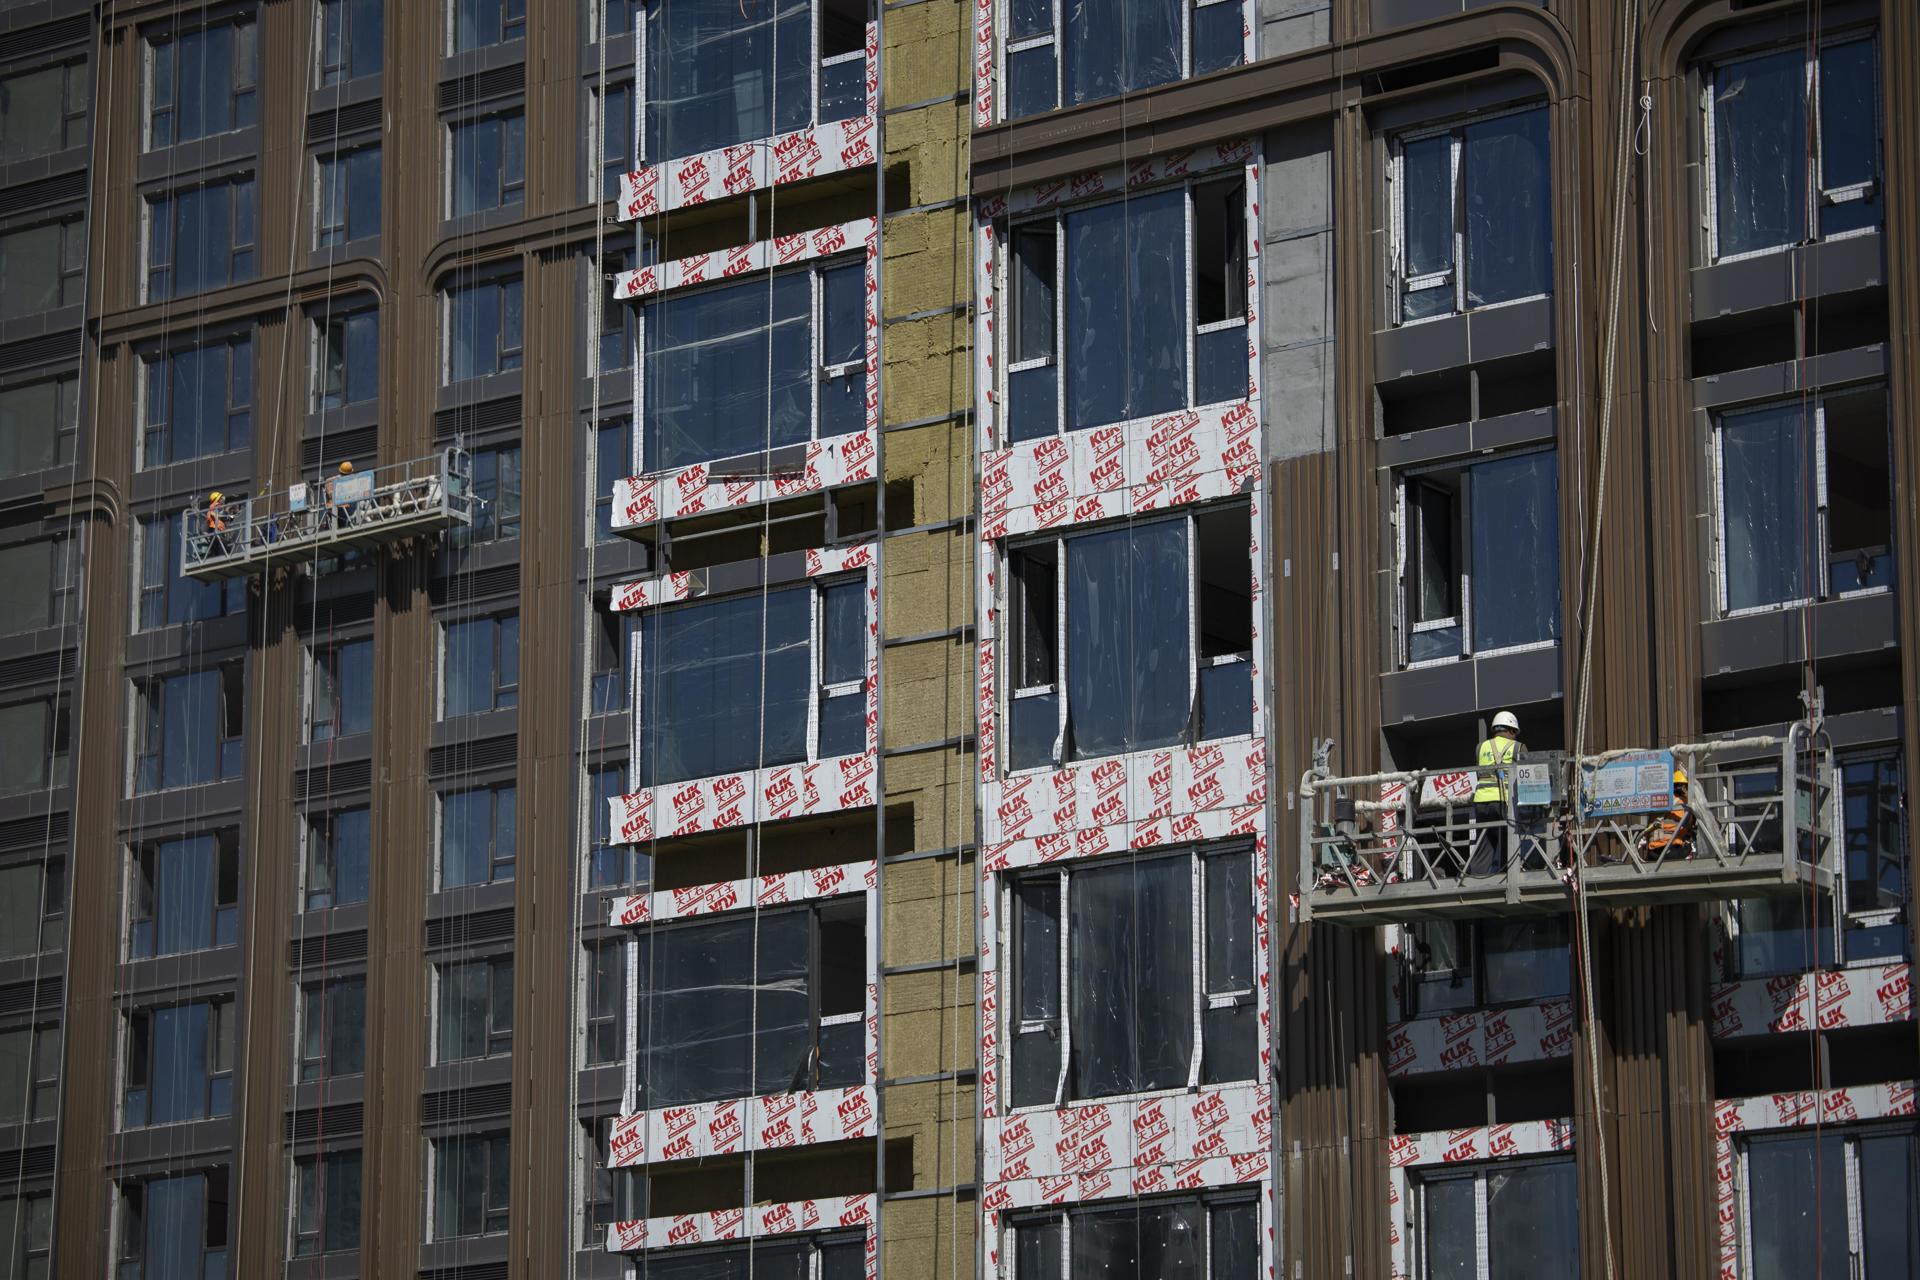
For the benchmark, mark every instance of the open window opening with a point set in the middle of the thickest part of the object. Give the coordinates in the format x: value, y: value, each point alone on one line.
x: 1473, y: 217
x: 1502, y: 1218
x: 1479, y: 549
x: 1126, y: 309
x: 1062, y: 54
x: 757, y: 1003
x: 1830, y: 1201
x: 749, y: 681
x: 1450, y: 965
x: 1095, y: 674
x: 1215, y: 1237
x: 1805, y: 505
x: 1772, y: 182
x: 1111, y: 994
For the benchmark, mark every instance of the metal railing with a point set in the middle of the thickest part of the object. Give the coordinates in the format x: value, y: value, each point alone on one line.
x: 342, y: 512
x: 1759, y: 815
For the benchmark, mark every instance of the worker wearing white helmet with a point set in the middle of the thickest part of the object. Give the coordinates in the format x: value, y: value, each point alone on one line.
x: 1493, y: 786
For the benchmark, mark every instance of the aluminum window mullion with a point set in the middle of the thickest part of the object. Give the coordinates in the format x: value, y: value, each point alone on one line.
x: 1060, y: 653
x: 816, y: 643
x: 1059, y: 313
x: 1065, y: 997
x: 1401, y: 621
x: 1193, y: 302
x: 1720, y: 512
x: 1456, y: 145
x: 1463, y: 555
x: 1196, y: 976
x: 1193, y: 622
x: 1482, y: 1227
x: 816, y: 344
x: 1819, y: 587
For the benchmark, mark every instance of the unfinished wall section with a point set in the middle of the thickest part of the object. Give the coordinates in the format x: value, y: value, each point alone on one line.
x: 1121, y: 708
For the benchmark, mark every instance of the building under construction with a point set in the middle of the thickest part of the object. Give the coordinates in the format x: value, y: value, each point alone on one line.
x: 1030, y: 525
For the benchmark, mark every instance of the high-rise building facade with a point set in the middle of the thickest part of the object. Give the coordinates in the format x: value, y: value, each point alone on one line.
x: 851, y: 639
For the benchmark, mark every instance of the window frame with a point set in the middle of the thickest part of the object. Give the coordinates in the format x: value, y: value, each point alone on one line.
x: 596, y: 1018
x: 318, y: 836
x: 598, y: 137
x: 62, y: 597
x: 130, y: 1215
x: 1406, y: 584
x: 216, y: 1087
x: 307, y: 1238
x: 1817, y: 194
x: 1201, y: 858
x: 495, y: 862
x: 326, y: 658
x: 512, y: 192
x: 626, y: 1200
x: 147, y: 726
x: 328, y: 74
x: 45, y: 1041
x: 1476, y: 1172
x: 245, y: 79
x: 507, y: 357
x: 50, y: 892
x: 1059, y: 1220
x: 494, y: 1144
x: 1816, y: 419
x: 1054, y: 36
x: 1011, y: 612
x: 64, y: 433
x: 337, y: 161
x: 504, y: 693
x: 75, y: 102
x: 639, y: 29
x: 1400, y: 284
x: 160, y: 207
x: 1005, y: 280
x: 56, y: 732
x: 1850, y: 1136
x: 144, y: 893
x: 70, y: 274
x: 498, y: 1039
x: 508, y: 22
x: 317, y: 1002
x: 155, y: 379
x: 841, y: 907
x: 822, y: 372
x: 31, y: 1211
x: 820, y: 692
x: 158, y: 598
x: 1477, y: 935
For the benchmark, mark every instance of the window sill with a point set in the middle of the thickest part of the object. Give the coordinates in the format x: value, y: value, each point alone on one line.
x: 1473, y: 337
x: 1775, y: 638
x: 1460, y: 687
x: 175, y: 164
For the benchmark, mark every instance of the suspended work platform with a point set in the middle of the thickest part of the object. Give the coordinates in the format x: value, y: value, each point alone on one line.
x: 246, y: 536
x: 1756, y: 816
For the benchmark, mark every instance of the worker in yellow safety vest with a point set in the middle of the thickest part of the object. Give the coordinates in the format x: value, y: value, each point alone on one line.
x: 1492, y: 789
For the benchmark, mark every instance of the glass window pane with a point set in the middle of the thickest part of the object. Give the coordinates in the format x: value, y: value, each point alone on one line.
x: 1504, y: 183
x: 1759, y: 152
x: 718, y: 76
x: 1144, y: 1241
x: 1767, y: 482
x: 1449, y: 1229
x: 1890, y: 1205
x: 1128, y: 668
x: 1119, y: 46
x: 1126, y: 310
x: 1797, y: 1207
x: 26, y: 585
x: 1131, y: 967
x: 1032, y: 257
x: 1532, y: 1222
x: 1516, y: 551
x: 30, y: 114
x: 1229, y: 922
x: 1426, y: 168
x: 697, y: 346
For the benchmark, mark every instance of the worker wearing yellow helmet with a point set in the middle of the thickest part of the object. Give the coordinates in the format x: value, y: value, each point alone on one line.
x: 1671, y: 834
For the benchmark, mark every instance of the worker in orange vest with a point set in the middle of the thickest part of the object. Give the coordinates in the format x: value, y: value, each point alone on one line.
x: 217, y: 520
x: 1671, y: 834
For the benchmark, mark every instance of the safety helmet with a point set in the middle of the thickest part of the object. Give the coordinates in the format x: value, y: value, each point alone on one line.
x: 346, y: 468
x: 1679, y: 776
x: 1506, y: 720
x: 216, y: 496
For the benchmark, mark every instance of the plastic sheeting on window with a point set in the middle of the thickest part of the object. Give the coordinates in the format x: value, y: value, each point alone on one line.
x: 1036, y: 1031
x: 1130, y: 965
x: 1527, y: 960
x: 726, y: 1009
x: 729, y: 371
x: 182, y: 897
x: 1767, y: 485
x: 1426, y: 204
x: 1797, y: 1207
x: 1850, y: 134
x: 1129, y: 646
x: 1759, y: 152
x: 843, y: 661
x: 723, y: 72
x: 1889, y: 1194
x: 843, y: 341
x: 1516, y: 551
x: 1126, y: 308
x: 1509, y: 218
x: 725, y: 685
x: 1119, y: 46
x: 1871, y: 787
x: 190, y: 729
x: 1140, y: 1242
